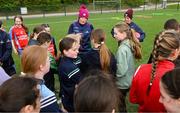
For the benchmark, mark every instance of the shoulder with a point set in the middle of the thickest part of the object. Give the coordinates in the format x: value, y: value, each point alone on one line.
x: 45, y: 92
x: 142, y: 69
x: 47, y: 96
x: 75, y: 23
x: 66, y: 65
x: 124, y: 46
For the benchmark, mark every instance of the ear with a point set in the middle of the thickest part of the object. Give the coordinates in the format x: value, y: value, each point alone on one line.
x: 41, y: 67
x: 65, y: 52
x: 178, y: 101
x: 27, y: 109
x: 174, y: 54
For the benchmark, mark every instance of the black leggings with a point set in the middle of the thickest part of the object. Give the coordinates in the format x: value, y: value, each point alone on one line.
x: 123, y: 93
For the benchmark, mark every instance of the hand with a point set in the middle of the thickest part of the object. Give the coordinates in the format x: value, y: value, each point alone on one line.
x: 63, y: 109
x: 137, y: 35
x: 15, y: 51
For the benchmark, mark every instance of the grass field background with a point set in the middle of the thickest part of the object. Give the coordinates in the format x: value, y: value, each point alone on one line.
x: 150, y: 21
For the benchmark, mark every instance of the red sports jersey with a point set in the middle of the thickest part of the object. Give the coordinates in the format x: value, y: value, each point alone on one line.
x: 140, y: 83
x: 19, y: 36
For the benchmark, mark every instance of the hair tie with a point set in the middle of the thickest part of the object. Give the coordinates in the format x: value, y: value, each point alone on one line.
x: 23, y: 74
x: 102, y: 43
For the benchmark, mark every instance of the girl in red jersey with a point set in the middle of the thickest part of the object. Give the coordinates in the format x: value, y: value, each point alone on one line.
x: 19, y: 35
x: 145, y: 85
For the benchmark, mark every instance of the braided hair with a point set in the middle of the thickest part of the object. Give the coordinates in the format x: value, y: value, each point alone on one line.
x: 165, y: 42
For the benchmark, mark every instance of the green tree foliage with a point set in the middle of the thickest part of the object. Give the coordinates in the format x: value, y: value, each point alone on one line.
x: 11, y: 5
x: 133, y: 3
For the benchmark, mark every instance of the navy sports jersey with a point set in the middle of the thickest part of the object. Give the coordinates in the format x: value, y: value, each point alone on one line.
x: 70, y: 76
x: 91, y: 61
x: 85, y: 31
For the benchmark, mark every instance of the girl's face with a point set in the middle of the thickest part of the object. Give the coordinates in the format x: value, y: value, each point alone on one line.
x: 82, y: 20
x: 48, y: 30
x: 118, y: 35
x: 127, y: 20
x: 18, y: 22
x: 170, y: 104
x: 72, y: 52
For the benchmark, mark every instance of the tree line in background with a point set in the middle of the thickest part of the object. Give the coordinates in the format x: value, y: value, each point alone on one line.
x: 53, y: 5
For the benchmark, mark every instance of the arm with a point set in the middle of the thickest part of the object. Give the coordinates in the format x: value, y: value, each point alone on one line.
x: 8, y: 47
x: 141, y: 32
x: 113, y: 64
x: 122, y: 65
x: 14, y: 48
x: 91, y: 26
x: 11, y: 34
x: 70, y: 31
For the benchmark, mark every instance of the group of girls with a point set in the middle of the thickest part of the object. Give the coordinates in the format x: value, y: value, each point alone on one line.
x: 91, y: 78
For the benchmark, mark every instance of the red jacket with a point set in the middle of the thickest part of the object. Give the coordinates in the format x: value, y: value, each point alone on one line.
x: 141, y: 80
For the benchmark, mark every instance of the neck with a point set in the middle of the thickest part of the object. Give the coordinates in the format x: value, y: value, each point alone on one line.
x: 96, y: 46
x: 39, y: 75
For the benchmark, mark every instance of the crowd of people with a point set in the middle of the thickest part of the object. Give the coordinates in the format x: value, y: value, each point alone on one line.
x: 91, y: 77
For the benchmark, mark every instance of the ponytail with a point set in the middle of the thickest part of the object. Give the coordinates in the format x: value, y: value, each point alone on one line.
x: 104, y: 57
x: 99, y: 36
x: 135, y: 45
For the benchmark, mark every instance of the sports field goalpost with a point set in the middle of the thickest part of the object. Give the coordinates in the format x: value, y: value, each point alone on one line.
x: 106, y: 2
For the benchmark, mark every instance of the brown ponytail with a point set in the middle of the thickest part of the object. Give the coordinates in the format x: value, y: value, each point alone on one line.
x: 99, y: 36
x: 105, y: 57
x: 135, y: 44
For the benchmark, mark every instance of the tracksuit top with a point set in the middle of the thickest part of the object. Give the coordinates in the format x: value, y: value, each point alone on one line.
x: 5, y: 50
x: 140, y: 83
x: 48, y: 99
x: 19, y: 36
x: 91, y: 61
x: 70, y: 76
x: 125, y: 65
x: 86, y: 30
x: 5, y: 47
x: 139, y: 30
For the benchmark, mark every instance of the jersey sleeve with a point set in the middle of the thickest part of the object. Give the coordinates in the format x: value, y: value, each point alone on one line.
x: 133, y: 97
